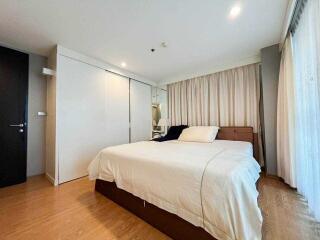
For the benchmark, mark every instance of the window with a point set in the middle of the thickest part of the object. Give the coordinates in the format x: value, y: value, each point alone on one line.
x: 306, y: 53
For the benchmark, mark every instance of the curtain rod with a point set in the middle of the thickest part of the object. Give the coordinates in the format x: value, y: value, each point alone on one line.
x: 300, y: 4
x: 295, y: 18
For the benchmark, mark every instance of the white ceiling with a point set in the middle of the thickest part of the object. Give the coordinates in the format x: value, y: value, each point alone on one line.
x: 199, y: 33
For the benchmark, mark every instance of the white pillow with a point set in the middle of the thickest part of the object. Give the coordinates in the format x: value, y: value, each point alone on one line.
x: 204, y: 134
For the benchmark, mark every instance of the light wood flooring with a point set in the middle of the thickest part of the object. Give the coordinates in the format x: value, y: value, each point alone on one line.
x: 37, y: 210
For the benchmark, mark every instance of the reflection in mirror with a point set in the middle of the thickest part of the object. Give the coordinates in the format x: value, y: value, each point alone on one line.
x: 156, y: 115
x: 159, y: 112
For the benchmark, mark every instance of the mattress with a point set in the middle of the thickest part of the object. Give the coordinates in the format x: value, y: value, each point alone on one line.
x: 211, y: 185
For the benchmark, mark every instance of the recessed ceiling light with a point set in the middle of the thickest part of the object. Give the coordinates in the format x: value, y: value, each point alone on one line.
x: 235, y: 11
x: 123, y: 64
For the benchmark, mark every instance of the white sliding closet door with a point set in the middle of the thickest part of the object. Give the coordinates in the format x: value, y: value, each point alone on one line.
x: 81, y: 117
x: 117, y: 109
x: 93, y: 110
x: 140, y: 111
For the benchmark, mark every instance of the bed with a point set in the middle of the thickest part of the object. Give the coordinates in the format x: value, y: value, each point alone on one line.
x: 187, y: 190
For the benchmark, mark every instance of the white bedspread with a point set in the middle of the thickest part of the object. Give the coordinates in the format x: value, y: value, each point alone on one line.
x: 211, y: 185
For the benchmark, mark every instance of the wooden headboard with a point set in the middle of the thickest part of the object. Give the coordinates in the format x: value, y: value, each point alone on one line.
x: 240, y: 134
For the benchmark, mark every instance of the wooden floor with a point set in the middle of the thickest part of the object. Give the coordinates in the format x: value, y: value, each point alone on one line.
x: 36, y: 210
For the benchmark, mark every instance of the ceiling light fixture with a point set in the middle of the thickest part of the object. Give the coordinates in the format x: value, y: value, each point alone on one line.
x: 123, y: 64
x: 234, y: 12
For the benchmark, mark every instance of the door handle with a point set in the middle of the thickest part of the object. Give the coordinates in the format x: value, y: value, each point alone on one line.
x: 16, y: 125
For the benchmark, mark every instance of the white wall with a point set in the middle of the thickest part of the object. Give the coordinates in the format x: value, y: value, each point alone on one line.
x: 37, y: 94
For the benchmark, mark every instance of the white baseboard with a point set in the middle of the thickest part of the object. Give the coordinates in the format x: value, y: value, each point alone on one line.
x: 51, y: 179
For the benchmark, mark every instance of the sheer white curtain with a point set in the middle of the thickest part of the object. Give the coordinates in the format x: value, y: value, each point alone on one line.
x: 286, y: 116
x: 306, y: 46
x: 228, y: 98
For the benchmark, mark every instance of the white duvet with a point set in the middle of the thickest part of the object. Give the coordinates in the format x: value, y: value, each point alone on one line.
x: 211, y: 185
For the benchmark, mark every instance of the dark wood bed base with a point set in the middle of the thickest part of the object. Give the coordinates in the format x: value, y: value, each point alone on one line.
x: 168, y: 223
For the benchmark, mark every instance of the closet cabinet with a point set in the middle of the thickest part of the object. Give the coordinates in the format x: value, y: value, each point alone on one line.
x: 117, y: 109
x: 140, y: 111
x: 90, y: 108
x: 81, y: 116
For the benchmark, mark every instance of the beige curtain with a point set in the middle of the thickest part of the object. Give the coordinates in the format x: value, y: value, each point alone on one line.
x: 286, y: 117
x: 228, y: 98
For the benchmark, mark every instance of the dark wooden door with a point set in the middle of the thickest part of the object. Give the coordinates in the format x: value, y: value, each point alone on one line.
x: 13, y: 116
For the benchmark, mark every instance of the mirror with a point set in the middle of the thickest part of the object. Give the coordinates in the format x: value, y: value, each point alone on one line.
x: 159, y: 112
